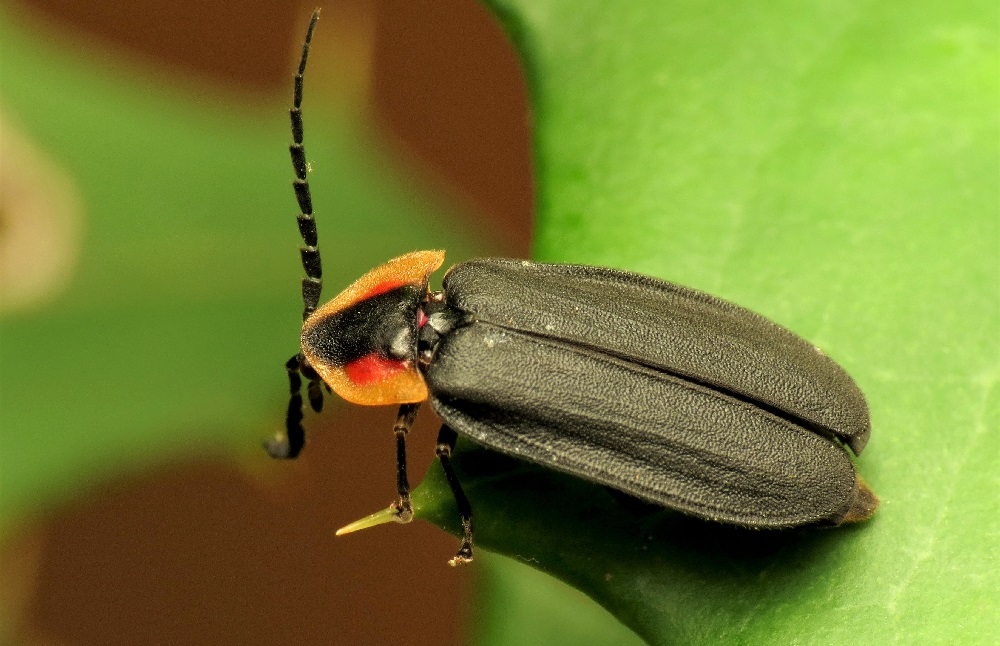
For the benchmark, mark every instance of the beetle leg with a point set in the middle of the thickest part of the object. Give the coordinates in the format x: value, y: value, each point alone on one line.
x: 445, y: 445
x: 314, y: 390
x: 288, y: 444
x: 402, y: 508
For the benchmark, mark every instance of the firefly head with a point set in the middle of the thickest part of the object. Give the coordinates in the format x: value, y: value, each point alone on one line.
x: 363, y: 343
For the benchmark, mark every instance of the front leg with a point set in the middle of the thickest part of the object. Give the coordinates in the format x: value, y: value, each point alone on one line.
x: 287, y: 445
x: 403, y: 508
x: 445, y: 445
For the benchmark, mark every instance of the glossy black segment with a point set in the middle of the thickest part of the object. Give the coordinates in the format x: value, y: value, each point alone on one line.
x: 311, y: 289
x: 405, y: 417
x: 305, y: 46
x: 297, y: 89
x: 303, y: 196
x: 404, y: 421
x: 315, y: 392
x: 311, y: 262
x: 307, y: 371
x: 295, y: 437
x: 298, y: 154
x: 295, y: 114
x: 307, y: 228
x: 292, y: 368
x: 289, y: 445
x: 402, y: 482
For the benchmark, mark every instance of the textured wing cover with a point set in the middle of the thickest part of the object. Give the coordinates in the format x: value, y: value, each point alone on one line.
x: 637, y: 430
x: 669, y: 328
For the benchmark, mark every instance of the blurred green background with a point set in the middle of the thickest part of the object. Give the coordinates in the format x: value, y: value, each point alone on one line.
x: 834, y: 166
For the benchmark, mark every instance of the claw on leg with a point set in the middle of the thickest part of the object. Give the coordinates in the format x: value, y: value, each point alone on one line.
x: 402, y: 510
x: 445, y: 445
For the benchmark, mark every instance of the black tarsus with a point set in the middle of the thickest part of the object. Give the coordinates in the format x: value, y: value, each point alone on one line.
x: 445, y: 445
x: 315, y: 390
x: 288, y: 446
x: 403, y: 507
x: 312, y: 284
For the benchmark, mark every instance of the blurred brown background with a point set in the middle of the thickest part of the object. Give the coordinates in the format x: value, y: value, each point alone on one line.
x: 152, y: 559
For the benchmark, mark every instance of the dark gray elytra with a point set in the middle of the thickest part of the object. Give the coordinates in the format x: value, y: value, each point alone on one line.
x: 660, y: 391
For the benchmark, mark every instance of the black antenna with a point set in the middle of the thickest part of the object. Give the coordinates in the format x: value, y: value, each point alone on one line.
x: 289, y: 444
x: 312, y: 284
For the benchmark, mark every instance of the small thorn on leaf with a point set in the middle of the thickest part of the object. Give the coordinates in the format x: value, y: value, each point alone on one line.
x: 378, y: 518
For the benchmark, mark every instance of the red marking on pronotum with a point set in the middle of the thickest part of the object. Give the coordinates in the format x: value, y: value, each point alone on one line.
x: 373, y: 368
x: 421, y: 318
x: 382, y: 288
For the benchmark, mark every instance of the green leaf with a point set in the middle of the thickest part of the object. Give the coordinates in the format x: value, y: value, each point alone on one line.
x: 834, y: 167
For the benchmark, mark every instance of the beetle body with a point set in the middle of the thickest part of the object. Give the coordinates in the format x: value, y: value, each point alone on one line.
x: 659, y: 391
x: 655, y: 390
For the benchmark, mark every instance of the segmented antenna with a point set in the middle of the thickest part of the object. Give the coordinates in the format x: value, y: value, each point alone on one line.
x: 312, y: 284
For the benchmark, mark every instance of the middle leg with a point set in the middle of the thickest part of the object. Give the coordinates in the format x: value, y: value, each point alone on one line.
x: 403, y: 508
x: 445, y: 446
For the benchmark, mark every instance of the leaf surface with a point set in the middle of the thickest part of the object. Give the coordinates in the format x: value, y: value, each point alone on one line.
x: 834, y: 167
